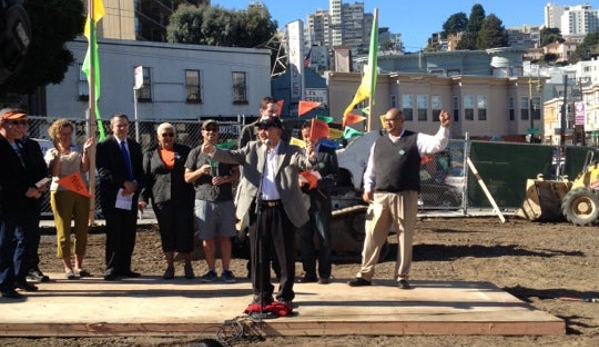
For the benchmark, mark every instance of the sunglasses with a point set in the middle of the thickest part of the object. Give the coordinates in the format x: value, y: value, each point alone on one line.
x: 168, y: 135
x: 18, y: 122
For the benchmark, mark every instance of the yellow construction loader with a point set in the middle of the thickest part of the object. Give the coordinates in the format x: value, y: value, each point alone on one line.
x: 577, y: 201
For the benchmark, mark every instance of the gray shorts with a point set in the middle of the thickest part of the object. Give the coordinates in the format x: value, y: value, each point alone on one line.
x: 215, y: 219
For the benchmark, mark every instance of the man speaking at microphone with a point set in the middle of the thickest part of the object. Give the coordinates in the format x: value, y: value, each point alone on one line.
x: 281, y: 208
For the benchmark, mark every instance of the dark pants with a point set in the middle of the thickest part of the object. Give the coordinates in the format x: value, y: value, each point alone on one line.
x: 175, y: 221
x: 120, y: 239
x: 31, y: 242
x: 274, y: 235
x: 11, y: 249
x: 320, y: 224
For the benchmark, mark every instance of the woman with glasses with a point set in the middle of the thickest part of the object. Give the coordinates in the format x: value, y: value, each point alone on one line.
x: 65, y: 160
x: 172, y: 198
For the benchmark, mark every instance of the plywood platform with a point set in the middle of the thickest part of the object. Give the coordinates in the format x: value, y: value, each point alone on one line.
x: 153, y: 306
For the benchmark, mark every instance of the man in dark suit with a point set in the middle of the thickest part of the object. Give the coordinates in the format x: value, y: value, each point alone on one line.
x: 16, y: 190
x: 281, y: 208
x: 120, y: 166
x: 320, y: 212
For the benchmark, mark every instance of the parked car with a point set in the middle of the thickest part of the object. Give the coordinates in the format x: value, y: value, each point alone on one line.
x: 456, y: 178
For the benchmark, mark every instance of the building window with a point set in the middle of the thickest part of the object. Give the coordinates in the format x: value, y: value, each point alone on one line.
x: 239, y: 88
x: 144, y: 94
x: 456, y: 108
x: 469, y: 107
x: 436, y: 106
x: 535, y: 108
x: 511, y: 109
x: 523, y: 108
x: 193, y: 88
x: 407, y: 105
x: 83, y: 86
x: 482, y: 107
x: 422, y: 103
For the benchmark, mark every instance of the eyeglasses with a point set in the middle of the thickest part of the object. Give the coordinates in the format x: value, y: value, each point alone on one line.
x: 390, y: 120
x: 168, y: 135
x: 18, y: 122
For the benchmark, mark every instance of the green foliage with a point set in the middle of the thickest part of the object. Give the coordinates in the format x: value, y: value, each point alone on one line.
x: 551, y: 35
x: 588, y: 48
x: 216, y: 26
x: 492, y: 33
x: 475, y: 22
x: 53, y: 23
x: 456, y: 23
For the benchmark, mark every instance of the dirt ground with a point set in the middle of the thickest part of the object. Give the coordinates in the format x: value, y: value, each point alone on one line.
x: 540, y: 263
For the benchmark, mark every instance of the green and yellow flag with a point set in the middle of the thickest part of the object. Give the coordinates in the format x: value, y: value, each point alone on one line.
x: 368, y: 85
x: 90, y: 32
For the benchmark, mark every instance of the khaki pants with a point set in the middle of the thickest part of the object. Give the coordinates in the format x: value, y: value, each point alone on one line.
x: 397, y: 209
x: 67, y: 206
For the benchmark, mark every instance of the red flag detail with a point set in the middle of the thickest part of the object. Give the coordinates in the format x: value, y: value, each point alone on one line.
x: 280, y: 107
x: 351, y: 118
x: 318, y: 129
x: 312, y: 180
x: 75, y: 183
x: 306, y: 106
x: 425, y: 159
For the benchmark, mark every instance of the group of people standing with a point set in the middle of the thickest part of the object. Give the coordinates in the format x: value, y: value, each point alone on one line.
x: 191, y: 190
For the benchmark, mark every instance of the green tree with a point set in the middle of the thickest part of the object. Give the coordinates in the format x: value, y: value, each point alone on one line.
x: 475, y: 22
x: 53, y: 23
x: 216, y: 26
x: 551, y: 35
x: 588, y: 48
x: 456, y: 23
x: 492, y: 33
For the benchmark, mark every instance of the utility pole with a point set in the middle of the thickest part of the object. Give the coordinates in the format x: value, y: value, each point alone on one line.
x: 562, y: 130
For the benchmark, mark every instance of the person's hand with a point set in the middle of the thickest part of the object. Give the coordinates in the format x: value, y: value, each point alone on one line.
x: 130, y: 187
x: 220, y: 180
x: 206, y: 169
x: 88, y: 143
x: 368, y: 197
x: 445, y: 119
x: 33, y: 193
x: 141, y: 206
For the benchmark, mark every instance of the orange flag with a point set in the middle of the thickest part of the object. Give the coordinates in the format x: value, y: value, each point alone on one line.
x: 75, y: 183
x: 425, y: 159
x: 351, y: 118
x: 318, y: 129
x: 312, y: 180
x: 280, y: 107
x: 305, y: 107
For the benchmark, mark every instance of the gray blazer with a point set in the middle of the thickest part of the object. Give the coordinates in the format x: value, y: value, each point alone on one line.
x: 290, y: 160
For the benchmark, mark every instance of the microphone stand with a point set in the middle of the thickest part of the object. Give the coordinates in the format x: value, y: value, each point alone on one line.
x: 259, y: 246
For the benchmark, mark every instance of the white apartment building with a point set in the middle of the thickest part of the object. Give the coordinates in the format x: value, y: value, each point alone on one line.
x: 574, y: 22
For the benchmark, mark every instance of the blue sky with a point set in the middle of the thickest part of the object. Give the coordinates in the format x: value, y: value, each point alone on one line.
x: 414, y: 20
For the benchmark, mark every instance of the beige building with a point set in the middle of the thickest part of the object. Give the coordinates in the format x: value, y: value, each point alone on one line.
x: 483, y: 106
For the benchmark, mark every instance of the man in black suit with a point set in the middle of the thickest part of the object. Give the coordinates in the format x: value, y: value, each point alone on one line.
x: 120, y: 166
x: 320, y: 212
x: 16, y: 192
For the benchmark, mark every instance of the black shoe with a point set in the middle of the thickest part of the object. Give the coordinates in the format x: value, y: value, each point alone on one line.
x: 267, y: 300
x: 288, y: 303
x: 130, y: 274
x: 23, y: 285
x: 11, y: 294
x: 111, y: 277
x: 324, y: 280
x: 308, y: 279
x: 358, y: 282
x: 403, y: 284
x: 37, y: 275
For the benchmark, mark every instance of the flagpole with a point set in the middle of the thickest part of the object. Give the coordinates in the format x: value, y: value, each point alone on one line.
x: 375, y: 26
x: 92, y: 113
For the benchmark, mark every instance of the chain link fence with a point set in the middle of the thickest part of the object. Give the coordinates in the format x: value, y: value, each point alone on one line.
x: 448, y: 184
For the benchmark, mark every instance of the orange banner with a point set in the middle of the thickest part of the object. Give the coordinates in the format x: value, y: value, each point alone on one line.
x: 318, y: 129
x: 312, y: 180
x: 351, y: 118
x: 306, y: 106
x: 280, y: 107
x: 75, y: 183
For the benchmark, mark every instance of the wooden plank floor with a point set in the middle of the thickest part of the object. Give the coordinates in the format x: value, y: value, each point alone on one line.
x: 152, y: 306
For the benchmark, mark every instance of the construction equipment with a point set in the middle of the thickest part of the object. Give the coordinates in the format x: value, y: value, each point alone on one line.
x: 576, y: 201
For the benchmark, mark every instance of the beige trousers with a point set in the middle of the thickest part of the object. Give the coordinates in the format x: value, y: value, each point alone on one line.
x: 397, y: 209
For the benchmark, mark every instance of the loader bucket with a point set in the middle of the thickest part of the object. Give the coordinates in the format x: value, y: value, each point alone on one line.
x: 543, y: 200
